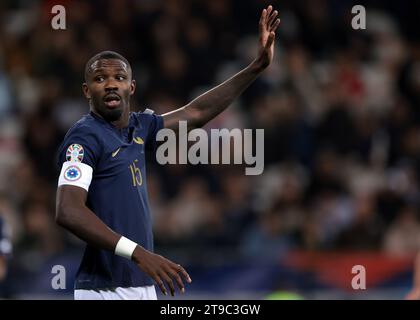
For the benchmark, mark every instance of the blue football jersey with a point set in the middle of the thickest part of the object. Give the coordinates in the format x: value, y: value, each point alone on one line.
x: 117, y: 192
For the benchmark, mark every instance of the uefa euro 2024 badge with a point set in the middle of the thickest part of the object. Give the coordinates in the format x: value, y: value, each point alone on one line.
x: 75, y: 153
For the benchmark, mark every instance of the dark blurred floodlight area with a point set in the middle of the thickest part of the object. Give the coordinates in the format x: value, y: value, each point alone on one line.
x: 340, y: 113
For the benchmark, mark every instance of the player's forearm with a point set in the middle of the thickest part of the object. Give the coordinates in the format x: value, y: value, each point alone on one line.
x: 87, y: 226
x: 208, y: 105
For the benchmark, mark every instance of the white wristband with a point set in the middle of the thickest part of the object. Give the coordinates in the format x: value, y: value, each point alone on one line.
x: 125, y: 247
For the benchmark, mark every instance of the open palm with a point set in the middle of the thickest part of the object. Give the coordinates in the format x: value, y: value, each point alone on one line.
x: 267, y: 27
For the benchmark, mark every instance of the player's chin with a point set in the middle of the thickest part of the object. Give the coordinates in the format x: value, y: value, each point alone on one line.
x: 112, y: 114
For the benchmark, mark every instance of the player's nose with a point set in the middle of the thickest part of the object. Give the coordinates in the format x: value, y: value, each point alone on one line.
x: 111, y: 85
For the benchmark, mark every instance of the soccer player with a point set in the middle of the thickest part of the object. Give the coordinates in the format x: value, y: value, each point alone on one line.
x: 102, y: 193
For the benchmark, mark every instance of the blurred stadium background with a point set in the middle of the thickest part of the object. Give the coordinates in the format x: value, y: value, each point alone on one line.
x: 340, y: 109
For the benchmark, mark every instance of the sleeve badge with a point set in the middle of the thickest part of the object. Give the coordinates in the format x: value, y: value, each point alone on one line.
x: 75, y: 153
x: 72, y: 173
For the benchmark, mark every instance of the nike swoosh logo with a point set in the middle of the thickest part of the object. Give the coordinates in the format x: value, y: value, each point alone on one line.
x: 138, y: 140
x: 115, y: 152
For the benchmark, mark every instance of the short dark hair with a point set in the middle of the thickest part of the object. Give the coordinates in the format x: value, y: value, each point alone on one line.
x: 104, y: 55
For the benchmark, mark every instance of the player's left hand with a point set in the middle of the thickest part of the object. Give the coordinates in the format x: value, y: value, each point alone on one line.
x: 267, y: 28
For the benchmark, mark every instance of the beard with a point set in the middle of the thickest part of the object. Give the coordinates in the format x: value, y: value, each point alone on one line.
x: 111, y: 115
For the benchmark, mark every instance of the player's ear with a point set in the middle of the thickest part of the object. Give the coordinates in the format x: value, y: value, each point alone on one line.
x: 132, y: 87
x: 86, y: 90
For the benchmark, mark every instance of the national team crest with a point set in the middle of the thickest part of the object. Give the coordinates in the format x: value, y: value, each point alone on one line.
x: 72, y: 173
x: 75, y: 153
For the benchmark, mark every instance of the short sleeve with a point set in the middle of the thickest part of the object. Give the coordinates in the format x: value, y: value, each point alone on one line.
x: 155, y: 124
x: 78, y: 157
x: 80, y: 145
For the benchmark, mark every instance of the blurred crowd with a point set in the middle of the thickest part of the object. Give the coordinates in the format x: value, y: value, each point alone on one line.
x: 340, y: 110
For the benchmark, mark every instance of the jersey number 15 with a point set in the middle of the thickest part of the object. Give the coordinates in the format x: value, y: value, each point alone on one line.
x: 136, y: 174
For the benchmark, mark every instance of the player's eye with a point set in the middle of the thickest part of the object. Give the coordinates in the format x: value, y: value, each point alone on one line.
x: 120, y: 77
x: 99, y: 79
